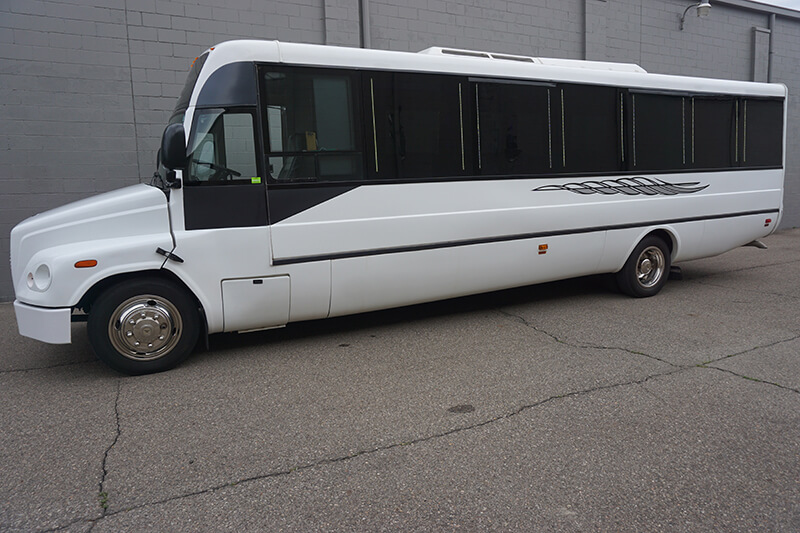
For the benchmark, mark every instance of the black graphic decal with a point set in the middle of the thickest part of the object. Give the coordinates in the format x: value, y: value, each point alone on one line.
x: 628, y: 186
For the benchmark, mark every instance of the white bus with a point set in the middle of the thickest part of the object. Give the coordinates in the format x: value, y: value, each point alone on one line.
x: 299, y: 182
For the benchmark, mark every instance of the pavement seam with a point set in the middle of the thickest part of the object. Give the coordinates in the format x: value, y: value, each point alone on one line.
x: 587, y: 345
x: 420, y: 440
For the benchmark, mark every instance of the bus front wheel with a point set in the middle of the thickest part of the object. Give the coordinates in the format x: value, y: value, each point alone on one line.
x: 646, y: 270
x: 141, y: 326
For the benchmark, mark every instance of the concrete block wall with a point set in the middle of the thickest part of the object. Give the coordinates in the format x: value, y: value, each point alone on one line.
x: 786, y: 66
x: 86, y: 86
x: 551, y: 28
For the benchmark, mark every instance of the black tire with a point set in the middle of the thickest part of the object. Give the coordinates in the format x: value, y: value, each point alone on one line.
x: 646, y: 270
x: 143, y: 325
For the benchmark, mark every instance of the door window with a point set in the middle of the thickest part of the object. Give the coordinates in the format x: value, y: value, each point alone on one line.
x: 223, y: 148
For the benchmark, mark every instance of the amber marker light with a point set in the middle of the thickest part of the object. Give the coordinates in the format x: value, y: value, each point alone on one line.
x: 542, y: 249
x: 86, y: 263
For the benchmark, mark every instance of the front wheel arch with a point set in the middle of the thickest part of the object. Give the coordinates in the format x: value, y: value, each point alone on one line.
x: 143, y: 324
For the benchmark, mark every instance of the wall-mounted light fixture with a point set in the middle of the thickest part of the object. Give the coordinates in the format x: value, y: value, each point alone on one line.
x: 702, y: 10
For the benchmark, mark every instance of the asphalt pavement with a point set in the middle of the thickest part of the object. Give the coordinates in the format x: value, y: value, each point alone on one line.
x: 557, y: 407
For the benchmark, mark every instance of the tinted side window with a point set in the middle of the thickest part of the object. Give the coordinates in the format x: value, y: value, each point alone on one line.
x: 592, y: 133
x: 714, y: 123
x: 418, y: 125
x: 514, y: 126
x: 763, y: 133
x: 659, y: 132
x: 428, y: 125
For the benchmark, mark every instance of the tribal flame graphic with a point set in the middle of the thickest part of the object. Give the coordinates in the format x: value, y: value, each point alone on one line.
x: 628, y: 186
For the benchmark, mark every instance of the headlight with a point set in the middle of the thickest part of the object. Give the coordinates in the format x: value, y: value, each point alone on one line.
x: 39, y: 279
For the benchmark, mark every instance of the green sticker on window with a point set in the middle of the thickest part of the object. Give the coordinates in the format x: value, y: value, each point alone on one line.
x: 255, y: 180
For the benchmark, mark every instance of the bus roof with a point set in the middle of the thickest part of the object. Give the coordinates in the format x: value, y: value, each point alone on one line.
x: 479, y: 64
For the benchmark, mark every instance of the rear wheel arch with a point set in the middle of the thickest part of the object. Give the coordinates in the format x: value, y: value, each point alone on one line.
x: 669, y: 239
x: 647, y: 268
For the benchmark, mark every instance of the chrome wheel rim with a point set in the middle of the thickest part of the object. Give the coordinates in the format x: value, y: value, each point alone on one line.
x: 145, y: 327
x: 650, y: 266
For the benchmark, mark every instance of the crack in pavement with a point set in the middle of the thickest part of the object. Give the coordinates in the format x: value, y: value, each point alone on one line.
x: 31, y: 369
x: 744, y: 269
x: 559, y: 340
x: 102, y: 493
x: 748, y: 378
x: 699, y: 281
x: 754, y: 348
x: 420, y: 440
x: 699, y: 365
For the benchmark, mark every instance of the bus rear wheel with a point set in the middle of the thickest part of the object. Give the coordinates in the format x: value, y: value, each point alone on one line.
x: 646, y: 270
x: 141, y: 326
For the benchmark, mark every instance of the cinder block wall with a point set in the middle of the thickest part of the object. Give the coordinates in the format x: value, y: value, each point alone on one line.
x: 86, y: 86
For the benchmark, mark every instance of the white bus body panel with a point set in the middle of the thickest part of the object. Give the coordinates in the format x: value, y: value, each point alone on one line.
x: 213, y: 257
x: 398, y: 244
x: 121, y: 230
x: 368, y: 283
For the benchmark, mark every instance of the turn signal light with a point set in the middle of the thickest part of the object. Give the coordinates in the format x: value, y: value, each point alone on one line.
x: 542, y: 249
x: 86, y: 263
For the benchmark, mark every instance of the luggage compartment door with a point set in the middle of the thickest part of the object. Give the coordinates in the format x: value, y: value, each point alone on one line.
x: 255, y: 303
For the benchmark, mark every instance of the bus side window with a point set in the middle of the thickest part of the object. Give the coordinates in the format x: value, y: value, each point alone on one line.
x: 713, y: 121
x: 660, y: 131
x: 515, y: 128
x: 591, y: 119
x: 762, y: 128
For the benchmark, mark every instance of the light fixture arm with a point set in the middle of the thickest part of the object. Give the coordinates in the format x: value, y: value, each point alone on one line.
x: 703, y: 7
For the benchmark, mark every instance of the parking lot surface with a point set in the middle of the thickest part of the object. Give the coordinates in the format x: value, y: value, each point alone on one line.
x: 564, y: 407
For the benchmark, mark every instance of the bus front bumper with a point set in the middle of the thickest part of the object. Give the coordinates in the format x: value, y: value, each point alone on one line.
x: 44, y: 324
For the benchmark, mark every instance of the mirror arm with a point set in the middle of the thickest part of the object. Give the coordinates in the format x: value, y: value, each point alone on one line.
x: 172, y: 181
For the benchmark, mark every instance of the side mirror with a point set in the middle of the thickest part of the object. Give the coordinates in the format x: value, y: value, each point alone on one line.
x: 173, y: 147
